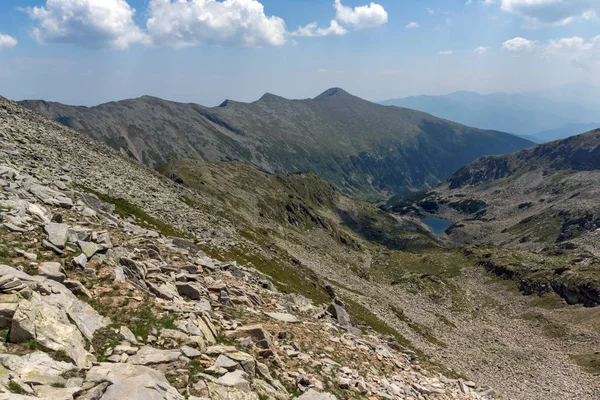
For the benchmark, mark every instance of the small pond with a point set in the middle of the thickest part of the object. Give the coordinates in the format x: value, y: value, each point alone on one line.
x: 437, y: 225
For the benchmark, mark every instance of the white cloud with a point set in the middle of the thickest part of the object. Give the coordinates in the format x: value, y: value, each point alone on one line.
x: 519, y: 44
x: 481, y: 50
x: 412, y: 25
x: 573, y: 43
x: 313, y: 30
x: 430, y: 11
x: 539, y: 13
x: 579, y: 50
x: 370, y: 16
x: 446, y: 52
x: 190, y: 22
x: 322, y: 70
x: 7, y: 42
x: 89, y: 23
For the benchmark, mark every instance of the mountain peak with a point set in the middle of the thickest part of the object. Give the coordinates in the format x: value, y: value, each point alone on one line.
x: 333, y: 92
x: 270, y: 97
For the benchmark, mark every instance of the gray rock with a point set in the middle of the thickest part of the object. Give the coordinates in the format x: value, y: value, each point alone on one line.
x: 190, y: 352
x: 127, y: 334
x: 103, y: 241
x: 36, y: 368
x: 57, y: 234
x: 7, y: 310
x: 190, y: 290
x: 341, y: 315
x: 148, y: 356
x: 78, y: 234
x: 51, y: 270
x: 77, y: 288
x: 88, y: 248
x: 95, y: 393
x: 235, y: 379
x: 80, y: 261
x: 14, y: 228
x: 29, y: 256
x: 132, y: 382
x: 312, y: 394
x: 225, y: 362
x: 47, y: 245
x: 50, y: 326
x: 283, y: 317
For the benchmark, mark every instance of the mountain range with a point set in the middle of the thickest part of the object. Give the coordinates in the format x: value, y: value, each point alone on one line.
x: 540, y: 117
x: 364, y: 149
x: 251, y: 247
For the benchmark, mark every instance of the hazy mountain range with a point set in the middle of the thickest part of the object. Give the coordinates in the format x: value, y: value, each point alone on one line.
x: 541, y: 116
x: 362, y: 148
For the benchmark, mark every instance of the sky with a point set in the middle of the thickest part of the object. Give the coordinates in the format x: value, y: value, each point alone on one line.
x: 205, y: 51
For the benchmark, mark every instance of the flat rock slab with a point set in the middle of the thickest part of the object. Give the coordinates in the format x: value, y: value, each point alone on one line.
x: 148, y: 356
x: 283, y: 317
x: 133, y: 382
x: 35, y: 319
x: 51, y: 270
x: 312, y: 394
x: 88, y: 248
x: 58, y: 234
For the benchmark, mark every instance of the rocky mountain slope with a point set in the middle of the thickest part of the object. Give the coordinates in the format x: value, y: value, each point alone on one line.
x: 439, y: 308
x: 542, y: 199
x: 97, y: 306
x: 362, y: 148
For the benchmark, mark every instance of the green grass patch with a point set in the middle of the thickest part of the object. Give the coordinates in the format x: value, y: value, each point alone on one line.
x: 15, y: 388
x: 417, y: 328
x: 125, y: 209
x: 550, y: 328
x: 589, y: 362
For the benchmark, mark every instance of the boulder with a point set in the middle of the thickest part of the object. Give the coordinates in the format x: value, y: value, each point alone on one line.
x: 341, y: 315
x: 132, y: 382
x: 259, y: 336
x: 77, y: 234
x: 225, y: 362
x: 7, y: 311
x: 57, y: 234
x: 48, y: 325
x: 88, y: 248
x: 235, y: 379
x: 51, y: 270
x: 190, y: 290
x: 80, y: 261
x: 36, y: 368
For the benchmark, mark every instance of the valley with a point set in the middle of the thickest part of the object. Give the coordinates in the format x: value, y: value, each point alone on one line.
x: 447, y: 302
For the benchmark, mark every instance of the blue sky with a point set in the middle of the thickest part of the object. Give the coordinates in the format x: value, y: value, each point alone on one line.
x: 204, y: 51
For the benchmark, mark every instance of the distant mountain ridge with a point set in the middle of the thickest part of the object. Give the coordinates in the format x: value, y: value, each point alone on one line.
x: 526, y: 114
x: 364, y: 149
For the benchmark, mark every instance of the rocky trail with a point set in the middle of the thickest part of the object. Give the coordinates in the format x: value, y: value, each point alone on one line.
x: 95, y: 305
